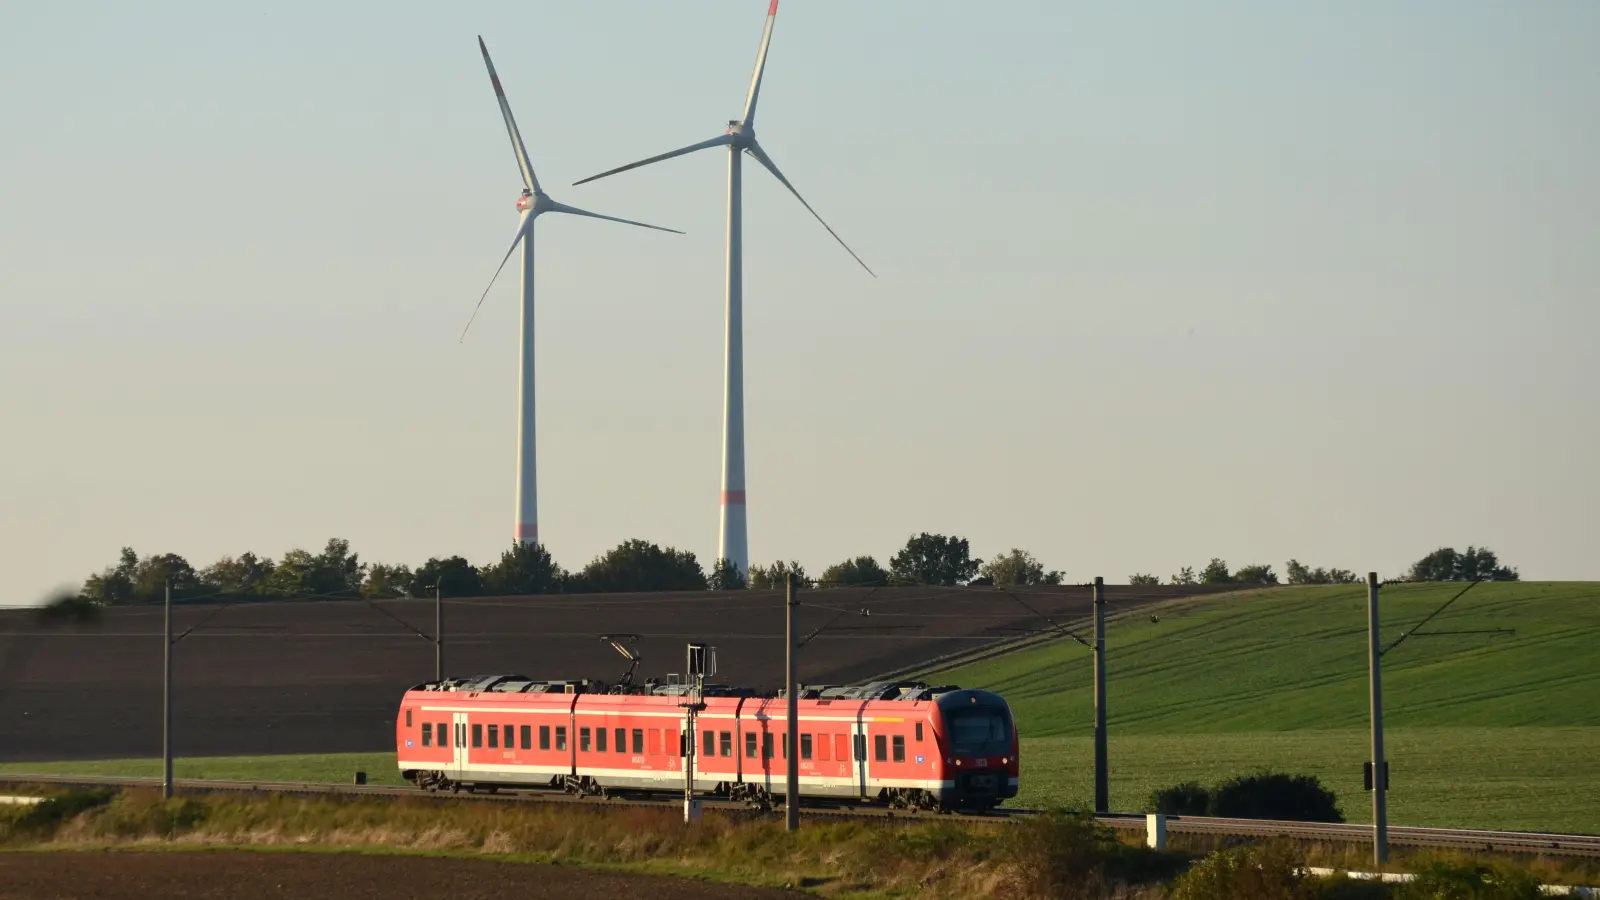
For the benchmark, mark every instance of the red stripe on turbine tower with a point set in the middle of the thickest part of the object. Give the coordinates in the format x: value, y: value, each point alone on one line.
x: 528, y: 532
x: 733, y: 498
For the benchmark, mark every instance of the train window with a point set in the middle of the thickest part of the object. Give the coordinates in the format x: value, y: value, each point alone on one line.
x: 655, y: 741
x: 708, y: 743
x: 766, y: 745
x: 683, y: 743
x: 840, y: 743
x: 880, y: 748
x: 899, y: 748
x: 494, y: 736
x: 444, y: 738
x: 622, y: 740
x: 477, y: 736
x: 861, y: 748
x: 427, y: 734
x: 527, y: 737
x: 824, y: 744
x: 561, y: 737
x: 408, y: 718
x: 726, y: 739
x: 919, y: 731
x: 638, y: 740
x: 750, y: 745
x: 805, y: 746
x: 544, y: 737
x: 600, y: 740
x: 583, y: 739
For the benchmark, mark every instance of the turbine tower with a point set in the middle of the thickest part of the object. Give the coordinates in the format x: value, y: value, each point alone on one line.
x: 732, y: 542
x: 533, y: 203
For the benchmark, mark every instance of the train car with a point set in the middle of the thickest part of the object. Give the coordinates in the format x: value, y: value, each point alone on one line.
x: 906, y: 744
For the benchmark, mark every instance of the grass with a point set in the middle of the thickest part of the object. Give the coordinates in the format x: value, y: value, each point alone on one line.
x: 1483, y: 730
x: 323, y: 767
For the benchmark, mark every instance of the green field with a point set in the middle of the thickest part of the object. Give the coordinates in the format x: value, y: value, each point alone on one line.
x: 1484, y: 730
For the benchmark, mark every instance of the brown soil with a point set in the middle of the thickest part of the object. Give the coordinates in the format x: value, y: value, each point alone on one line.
x: 242, y: 875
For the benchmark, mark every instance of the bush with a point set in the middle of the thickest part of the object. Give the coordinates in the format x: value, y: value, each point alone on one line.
x: 1442, y: 881
x: 1188, y: 799
x: 1062, y: 854
x: 1275, y: 795
x: 53, y: 812
x: 1262, y: 872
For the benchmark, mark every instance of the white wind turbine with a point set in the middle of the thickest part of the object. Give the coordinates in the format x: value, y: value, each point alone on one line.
x: 733, y: 539
x: 534, y: 202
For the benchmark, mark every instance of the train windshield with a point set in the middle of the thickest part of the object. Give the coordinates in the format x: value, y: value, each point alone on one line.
x: 978, y: 732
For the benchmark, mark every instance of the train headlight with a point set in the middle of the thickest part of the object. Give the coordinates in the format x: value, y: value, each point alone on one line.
x: 958, y: 762
x: 1005, y: 760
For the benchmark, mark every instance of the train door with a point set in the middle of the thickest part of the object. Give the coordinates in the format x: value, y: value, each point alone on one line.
x: 460, y: 743
x: 858, y: 751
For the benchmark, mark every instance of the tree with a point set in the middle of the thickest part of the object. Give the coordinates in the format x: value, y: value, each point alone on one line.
x: 453, y: 575
x: 770, y: 577
x: 725, y: 576
x: 862, y: 570
x: 1300, y: 574
x: 523, y: 569
x: 114, y: 586
x: 1256, y: 574
x: 1477, y: 564
x: 1018, y: 567
x: 387, y: 581
x: 1185, y: 576
x: 1215, y: 572
x: 636, y: 565
x: 247, y: 574
x: 335, y: 570
x: 933, y: 559
x: 1143, y: 580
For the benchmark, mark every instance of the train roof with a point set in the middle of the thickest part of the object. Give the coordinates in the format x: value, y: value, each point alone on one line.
x: 909, y: 691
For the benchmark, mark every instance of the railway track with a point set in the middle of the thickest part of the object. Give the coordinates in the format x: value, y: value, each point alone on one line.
x: 1442, y: 838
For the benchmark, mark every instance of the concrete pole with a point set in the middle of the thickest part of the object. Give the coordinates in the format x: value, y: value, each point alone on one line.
x: 733, y: 537
x: 166, y: 698
x: 1380, y: 813
x: 438, y: 630
x: 527, y: 524
x: 1102, y: 782
x: 791, y: 816
x: 691, y: 811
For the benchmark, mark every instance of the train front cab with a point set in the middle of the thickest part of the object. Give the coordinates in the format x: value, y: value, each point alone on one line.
x: 979, y: 740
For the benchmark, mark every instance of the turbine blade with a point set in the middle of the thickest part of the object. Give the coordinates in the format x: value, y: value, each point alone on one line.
x: 761, y: 65
x: 522, y: 230
x: 573, y: 210
x: 766, y: 161
x: 529, y: 180
x: 717, y: 141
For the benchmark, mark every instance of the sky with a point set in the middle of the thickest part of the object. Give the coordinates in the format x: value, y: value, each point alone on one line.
x: 1157, y: 282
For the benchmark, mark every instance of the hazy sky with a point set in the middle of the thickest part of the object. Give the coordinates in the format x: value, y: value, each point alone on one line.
x: 1159, y: 281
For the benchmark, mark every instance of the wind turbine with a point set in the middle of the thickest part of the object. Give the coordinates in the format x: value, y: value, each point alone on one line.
x: 733, y: 540
x: 533, y: 203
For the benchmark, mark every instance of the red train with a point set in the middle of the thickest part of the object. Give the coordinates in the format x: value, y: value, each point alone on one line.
x: 908, y: 744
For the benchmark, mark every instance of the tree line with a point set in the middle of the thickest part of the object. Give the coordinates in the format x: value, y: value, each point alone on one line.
x: 639, y: 565
x: 633, y: 565
x: 1443, y: 564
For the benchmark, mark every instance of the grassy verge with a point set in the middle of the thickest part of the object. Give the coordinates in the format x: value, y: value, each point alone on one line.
x: 1044, y: 856
x: 332, y: 768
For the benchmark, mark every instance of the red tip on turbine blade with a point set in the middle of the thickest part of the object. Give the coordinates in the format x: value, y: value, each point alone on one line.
x: 773, y: 9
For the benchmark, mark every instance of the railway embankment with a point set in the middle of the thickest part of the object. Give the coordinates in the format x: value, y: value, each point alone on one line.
x: 1050, y: 855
